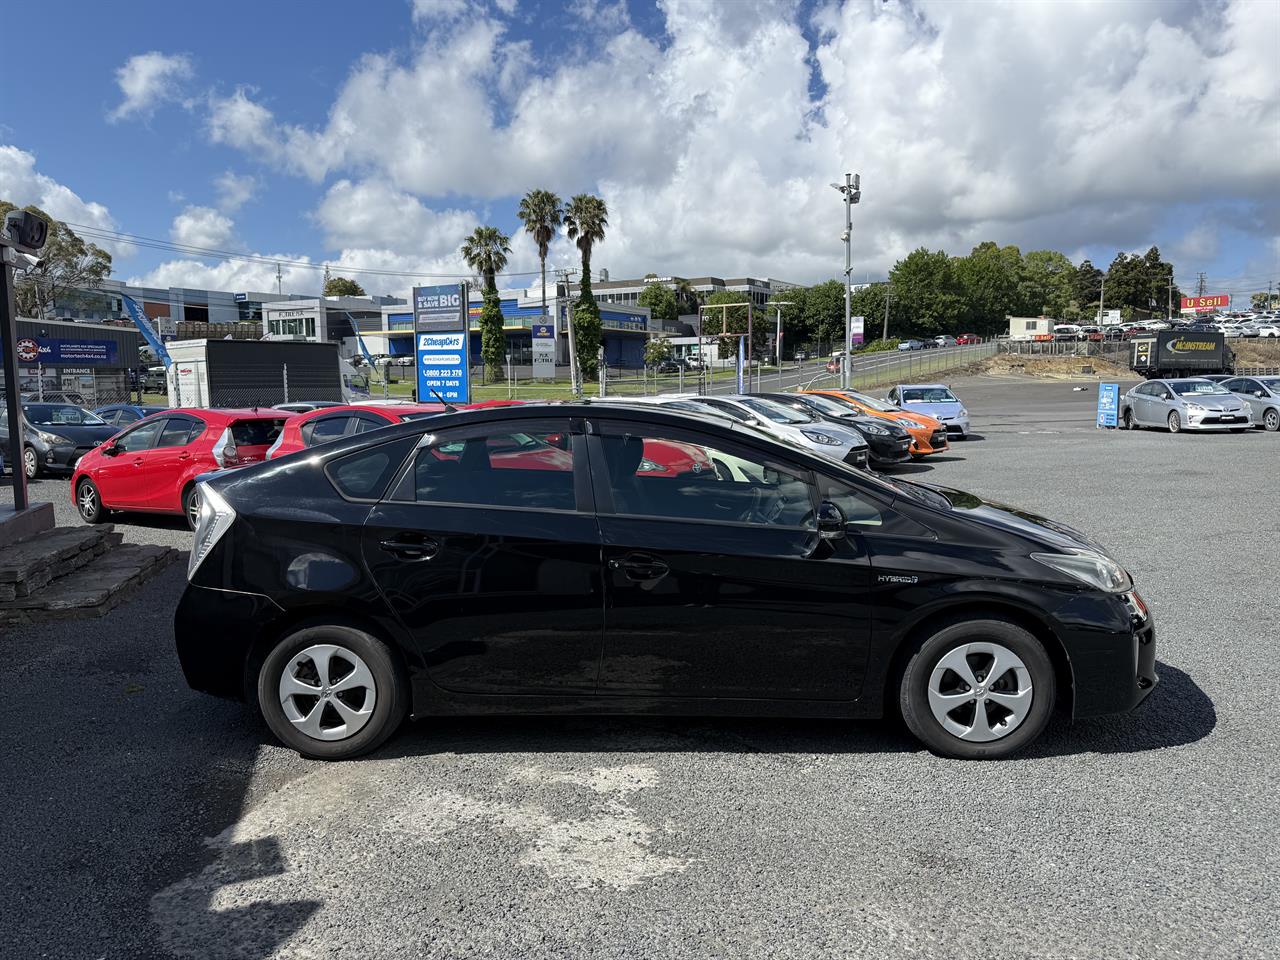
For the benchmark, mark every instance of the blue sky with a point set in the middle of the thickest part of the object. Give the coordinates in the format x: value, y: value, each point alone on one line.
x: 378, y: 135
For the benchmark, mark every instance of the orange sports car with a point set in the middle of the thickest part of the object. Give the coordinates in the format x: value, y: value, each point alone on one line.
x: 927, y: 434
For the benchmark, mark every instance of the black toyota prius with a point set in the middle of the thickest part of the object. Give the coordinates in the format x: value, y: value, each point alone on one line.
x: 570, y: 558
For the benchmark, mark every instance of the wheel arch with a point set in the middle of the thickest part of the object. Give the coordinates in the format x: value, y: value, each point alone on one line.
x: 914, y: 634
x: 295, y: 620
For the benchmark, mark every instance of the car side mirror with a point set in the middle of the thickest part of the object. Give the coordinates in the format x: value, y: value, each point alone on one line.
x: 831, y: 521
x: 110, y: 450
x: 1259, y: 394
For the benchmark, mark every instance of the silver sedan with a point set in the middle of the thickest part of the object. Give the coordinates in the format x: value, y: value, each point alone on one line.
x: 1193, y: 403
x: 1262, y: 394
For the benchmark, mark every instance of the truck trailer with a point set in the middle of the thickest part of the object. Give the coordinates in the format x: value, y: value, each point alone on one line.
x: 1173, y: 353
x: 256, y: 373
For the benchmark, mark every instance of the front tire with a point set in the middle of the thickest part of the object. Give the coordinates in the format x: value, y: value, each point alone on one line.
x: 1175, y: 422
x: 1271, y: 420
x: 89, y: 502
x: 30, y: 463
x: 332, y: 692
x: 1129, y: 422
x: 978, y: 690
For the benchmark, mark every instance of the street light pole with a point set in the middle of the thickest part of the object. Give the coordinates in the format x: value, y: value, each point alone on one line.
x: 851, y: 188
x: 777, y: 336
x: 888, y: 295
x: 575, y: 381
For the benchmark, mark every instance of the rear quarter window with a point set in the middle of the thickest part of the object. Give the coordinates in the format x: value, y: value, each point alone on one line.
x: 365, y: 474
x: 256, y: 433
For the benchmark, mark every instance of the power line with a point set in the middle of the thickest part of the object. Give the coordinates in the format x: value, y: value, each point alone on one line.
x: 91, y: 232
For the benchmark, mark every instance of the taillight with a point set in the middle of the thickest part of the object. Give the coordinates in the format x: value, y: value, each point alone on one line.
x: 224, y: 451
x: 271, y: 450
x: 215, y: 519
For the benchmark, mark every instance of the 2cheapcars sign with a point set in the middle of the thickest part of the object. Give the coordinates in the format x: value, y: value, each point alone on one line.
x: 57, y: 352
x: 440, y: 324
x: 1217, y: 301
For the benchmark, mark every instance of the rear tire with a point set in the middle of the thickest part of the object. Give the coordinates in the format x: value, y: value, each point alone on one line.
x: 89, y: 502
x: 191, y: 506
x: 1175, y: 422
x: 944, y: 686
x: 333, y: 724
x: 1127, y: 419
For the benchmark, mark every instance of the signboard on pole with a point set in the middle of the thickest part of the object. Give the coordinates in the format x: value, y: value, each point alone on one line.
x: 1216, y: 301
x: 1109, y: 316
x: 1108, y: 404
x: 54, y: 351
x: 859, y: 325
x: 544, y: 351
x: 442, y: 341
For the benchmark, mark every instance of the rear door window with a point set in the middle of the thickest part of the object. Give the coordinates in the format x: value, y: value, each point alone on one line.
x: 177, y: 432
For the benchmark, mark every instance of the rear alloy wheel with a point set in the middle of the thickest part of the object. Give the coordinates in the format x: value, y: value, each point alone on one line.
x: 981, y: 689
x: 89, y: 502
x: 332, y: 692
x: 1175, y: 422
x: 191, y: 506
x: 30, y: 463
x: 1271, y: 420
x: 1129, y: 422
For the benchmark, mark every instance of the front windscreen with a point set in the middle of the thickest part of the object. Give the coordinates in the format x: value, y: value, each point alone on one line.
x: 61, y: 414
x: 832, y: 408
x: 1198, y: 388
x: 872, y: 402
x: 774, y: 411
x: 928, y: 395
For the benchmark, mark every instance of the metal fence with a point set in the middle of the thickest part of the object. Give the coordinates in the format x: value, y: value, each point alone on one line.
x: 1116, y: 351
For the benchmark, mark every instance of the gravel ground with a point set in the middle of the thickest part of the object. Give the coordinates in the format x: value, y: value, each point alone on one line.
x: 142, y: 820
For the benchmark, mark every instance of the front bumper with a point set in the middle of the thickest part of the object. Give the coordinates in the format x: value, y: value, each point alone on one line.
x: 1216, y: 421
x: 857, y: 457
x: 63, y: 458
x: 1115, y: 670
x: 888, y: 450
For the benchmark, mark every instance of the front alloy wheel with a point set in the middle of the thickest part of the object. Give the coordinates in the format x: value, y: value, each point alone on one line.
x: 89, y: 502
x: 1175, y: 421
x: 1271, y: 421
x: 1129, y: 423
x: 978, y: 689
x: 30, y: 463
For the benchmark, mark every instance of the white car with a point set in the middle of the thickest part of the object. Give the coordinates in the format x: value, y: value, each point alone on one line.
x: 1268, y: 330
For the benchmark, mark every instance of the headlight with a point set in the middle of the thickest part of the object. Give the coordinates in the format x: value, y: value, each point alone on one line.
x: 1088, y: 567
x: 963, y: 412
x: 1195, y: 408
x: 875, y: 430
x: 51, y: 438
x: 821, y: 438
x: 216, y: 517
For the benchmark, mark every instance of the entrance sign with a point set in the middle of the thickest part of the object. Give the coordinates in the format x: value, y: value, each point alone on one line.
x: 544, y: 351
x: 442, y: 341
x: 1108, y: 404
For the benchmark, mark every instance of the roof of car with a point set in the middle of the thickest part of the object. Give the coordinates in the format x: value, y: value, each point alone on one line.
x: 226, y: 415
x: 923, y: 386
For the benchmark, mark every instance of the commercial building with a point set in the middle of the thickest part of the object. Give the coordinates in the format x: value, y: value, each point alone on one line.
x: 627, y: 292
x: 180, y: 304
x: 86, y: 363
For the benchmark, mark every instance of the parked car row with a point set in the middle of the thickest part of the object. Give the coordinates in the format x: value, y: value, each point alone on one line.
x: 1213, y: 403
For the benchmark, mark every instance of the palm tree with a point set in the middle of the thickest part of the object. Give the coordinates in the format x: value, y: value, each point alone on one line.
x: 585, y: 218
x: 486, y: 252
x: 541, y: 211
x: 686, y: 296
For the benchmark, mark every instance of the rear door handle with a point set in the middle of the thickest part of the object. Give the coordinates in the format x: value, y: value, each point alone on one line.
x: 640, y: 567
x: 412, y: 547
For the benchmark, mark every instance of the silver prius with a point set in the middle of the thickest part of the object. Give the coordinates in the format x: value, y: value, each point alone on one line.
x: 1188, y: 404
x: 1262, y: 394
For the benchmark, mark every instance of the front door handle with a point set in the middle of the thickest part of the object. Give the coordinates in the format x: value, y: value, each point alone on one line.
x: 640, y: 567
x: 412, y: 547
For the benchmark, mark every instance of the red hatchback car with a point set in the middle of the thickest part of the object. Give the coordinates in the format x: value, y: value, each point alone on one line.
x: 152, y: 466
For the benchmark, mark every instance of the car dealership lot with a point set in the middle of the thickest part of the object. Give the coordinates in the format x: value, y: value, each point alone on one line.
x: 147, y: 820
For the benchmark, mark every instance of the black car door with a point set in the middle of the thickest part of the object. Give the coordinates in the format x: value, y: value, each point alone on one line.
x: 487, y: 550
x: 717, y: 582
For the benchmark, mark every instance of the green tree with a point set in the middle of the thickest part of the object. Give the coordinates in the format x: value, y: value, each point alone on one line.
x: 824, y: 313
x: 486, y: 252
x: 687, y: 298
x: 795, y: 331
x: 657, y: 350
x: 1087, y: 288
x: 1047, y: 284
x: 1140, y: 283
x: 585, y: 220
x: 68, y: 265
x: 989, y: 280
x: 868, y: 303
x: 342, y: 287
x: 541, y: 212
x: 927, y: 293
x: 661, y: 301
x: 1261, y: 301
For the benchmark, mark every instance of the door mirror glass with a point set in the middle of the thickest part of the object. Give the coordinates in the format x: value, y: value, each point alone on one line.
x: 831, y: 522
x: 110, y: 450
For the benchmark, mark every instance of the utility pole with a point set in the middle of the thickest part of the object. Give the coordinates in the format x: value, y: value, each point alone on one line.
x: 851, y: 188
x: 12, y: 397
x: 1270, y: 284
x: 777, y: 336
x: 1102, y: 297
x: 564, y: 275
x: 1170, y: 317
x: 280, y: 280
x: 888, y: 296
x: 1200, y: 285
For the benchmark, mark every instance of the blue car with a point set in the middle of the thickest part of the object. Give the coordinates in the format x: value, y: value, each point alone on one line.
x: 123, y: 414
x: 933, y: 400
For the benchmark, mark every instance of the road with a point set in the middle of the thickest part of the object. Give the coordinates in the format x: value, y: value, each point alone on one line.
x: 142, y: 820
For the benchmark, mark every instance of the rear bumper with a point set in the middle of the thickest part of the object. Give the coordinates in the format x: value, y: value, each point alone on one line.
x: 214, y: 632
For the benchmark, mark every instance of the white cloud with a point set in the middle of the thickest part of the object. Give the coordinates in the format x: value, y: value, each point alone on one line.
x: 1038, y: 123
x: 202, y: 227
x: 148, y: 80
x: 234, y: 190
x: 235, y: 275
x: 22, y: 185
x: 426, y: 11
